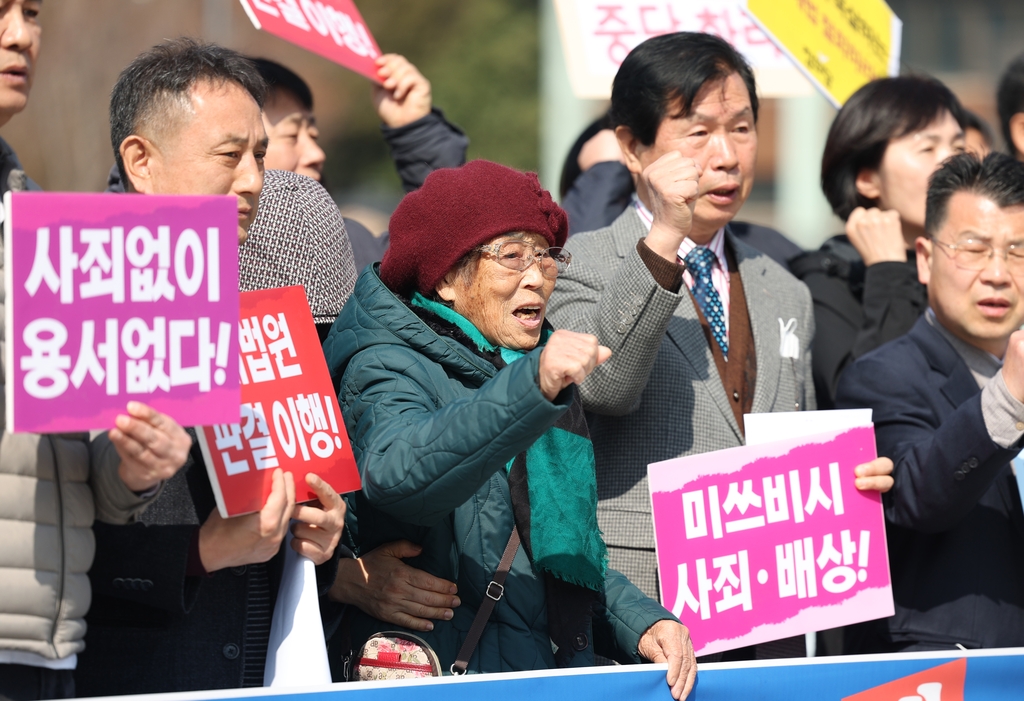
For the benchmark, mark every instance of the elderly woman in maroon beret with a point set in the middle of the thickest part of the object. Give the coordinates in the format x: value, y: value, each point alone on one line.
x: 462, y: 407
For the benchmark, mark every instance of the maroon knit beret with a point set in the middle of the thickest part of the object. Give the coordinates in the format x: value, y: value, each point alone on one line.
x: 458, y: 209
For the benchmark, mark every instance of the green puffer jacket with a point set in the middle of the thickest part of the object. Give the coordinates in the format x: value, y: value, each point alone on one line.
x: 432, y: 427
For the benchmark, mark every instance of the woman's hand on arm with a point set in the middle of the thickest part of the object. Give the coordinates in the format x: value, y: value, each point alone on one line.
x: 383, y: 586
x: 669, y: 641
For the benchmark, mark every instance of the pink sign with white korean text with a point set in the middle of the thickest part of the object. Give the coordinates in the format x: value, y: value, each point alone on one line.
x: 765, y: 542
x: 113, y: 298
x: 333, y: 29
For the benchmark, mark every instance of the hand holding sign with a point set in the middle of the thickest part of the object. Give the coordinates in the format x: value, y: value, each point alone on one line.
x: 673, y: 184
x: 668, y: 641
x: 875, y: 476
x: 152, y: 446
x: 245, y: 540
x: 320, y: 524
x: 403, y: 95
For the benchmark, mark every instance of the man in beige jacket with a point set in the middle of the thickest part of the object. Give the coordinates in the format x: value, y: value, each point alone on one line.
x: 50, y: 487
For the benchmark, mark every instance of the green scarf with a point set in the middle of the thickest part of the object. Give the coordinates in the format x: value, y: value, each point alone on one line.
x: 555, y: 477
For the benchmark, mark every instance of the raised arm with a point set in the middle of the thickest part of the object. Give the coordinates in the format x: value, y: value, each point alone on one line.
x: 420, y: 138
x: 927, y: 496
x: 628, y: 303
x: 893, y: 298
x: 419, y: 462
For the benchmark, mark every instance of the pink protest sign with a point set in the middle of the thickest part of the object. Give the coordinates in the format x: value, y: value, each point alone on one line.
x: 765, y: 542
x: 333, y: 29
x: 112, y: 298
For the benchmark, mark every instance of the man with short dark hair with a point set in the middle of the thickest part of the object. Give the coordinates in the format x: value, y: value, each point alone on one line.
x: 948, y: 403
x: 186, y: 119
x: 703, y: 328
x: 1010, y: 104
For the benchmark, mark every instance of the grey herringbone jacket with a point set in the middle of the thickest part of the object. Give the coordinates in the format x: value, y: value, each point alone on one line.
x: 660, y: 395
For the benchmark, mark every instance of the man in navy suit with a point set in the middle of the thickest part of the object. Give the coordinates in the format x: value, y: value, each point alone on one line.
x: 948, y: 401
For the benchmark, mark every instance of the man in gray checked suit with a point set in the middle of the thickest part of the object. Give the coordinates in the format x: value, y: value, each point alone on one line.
x: 702, y: 327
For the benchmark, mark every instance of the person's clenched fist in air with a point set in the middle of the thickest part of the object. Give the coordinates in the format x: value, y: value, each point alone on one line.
x: 877, y: 235
x: 673, y: 182
x: 1013, y: 365
x: 567, y: 358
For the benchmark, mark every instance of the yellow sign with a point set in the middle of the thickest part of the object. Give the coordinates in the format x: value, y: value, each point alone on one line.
x: 839, y: 44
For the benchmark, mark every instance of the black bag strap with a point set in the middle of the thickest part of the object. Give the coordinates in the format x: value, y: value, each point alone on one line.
x: 495, y: 590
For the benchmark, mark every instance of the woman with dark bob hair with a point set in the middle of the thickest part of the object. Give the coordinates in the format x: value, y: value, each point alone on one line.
x: 883, y: 147
x: 470, y: 437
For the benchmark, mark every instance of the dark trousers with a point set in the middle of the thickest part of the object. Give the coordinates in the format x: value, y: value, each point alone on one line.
x: 20, y: 682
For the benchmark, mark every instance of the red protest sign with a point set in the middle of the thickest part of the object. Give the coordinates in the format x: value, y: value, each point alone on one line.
x: 289, y: 415
x: 942, y: 683
x: 333, y: 29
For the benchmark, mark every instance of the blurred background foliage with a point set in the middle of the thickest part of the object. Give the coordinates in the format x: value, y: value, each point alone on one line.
x: 481, y: 60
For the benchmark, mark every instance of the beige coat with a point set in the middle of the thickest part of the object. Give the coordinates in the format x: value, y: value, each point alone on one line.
x: 49, y: 495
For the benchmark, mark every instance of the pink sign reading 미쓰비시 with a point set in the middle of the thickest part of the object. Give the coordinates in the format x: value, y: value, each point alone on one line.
x: 112, y: 298
x: 765, y: 542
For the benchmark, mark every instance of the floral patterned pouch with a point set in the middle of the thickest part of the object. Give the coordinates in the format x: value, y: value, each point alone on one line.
x: 394, y: 655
